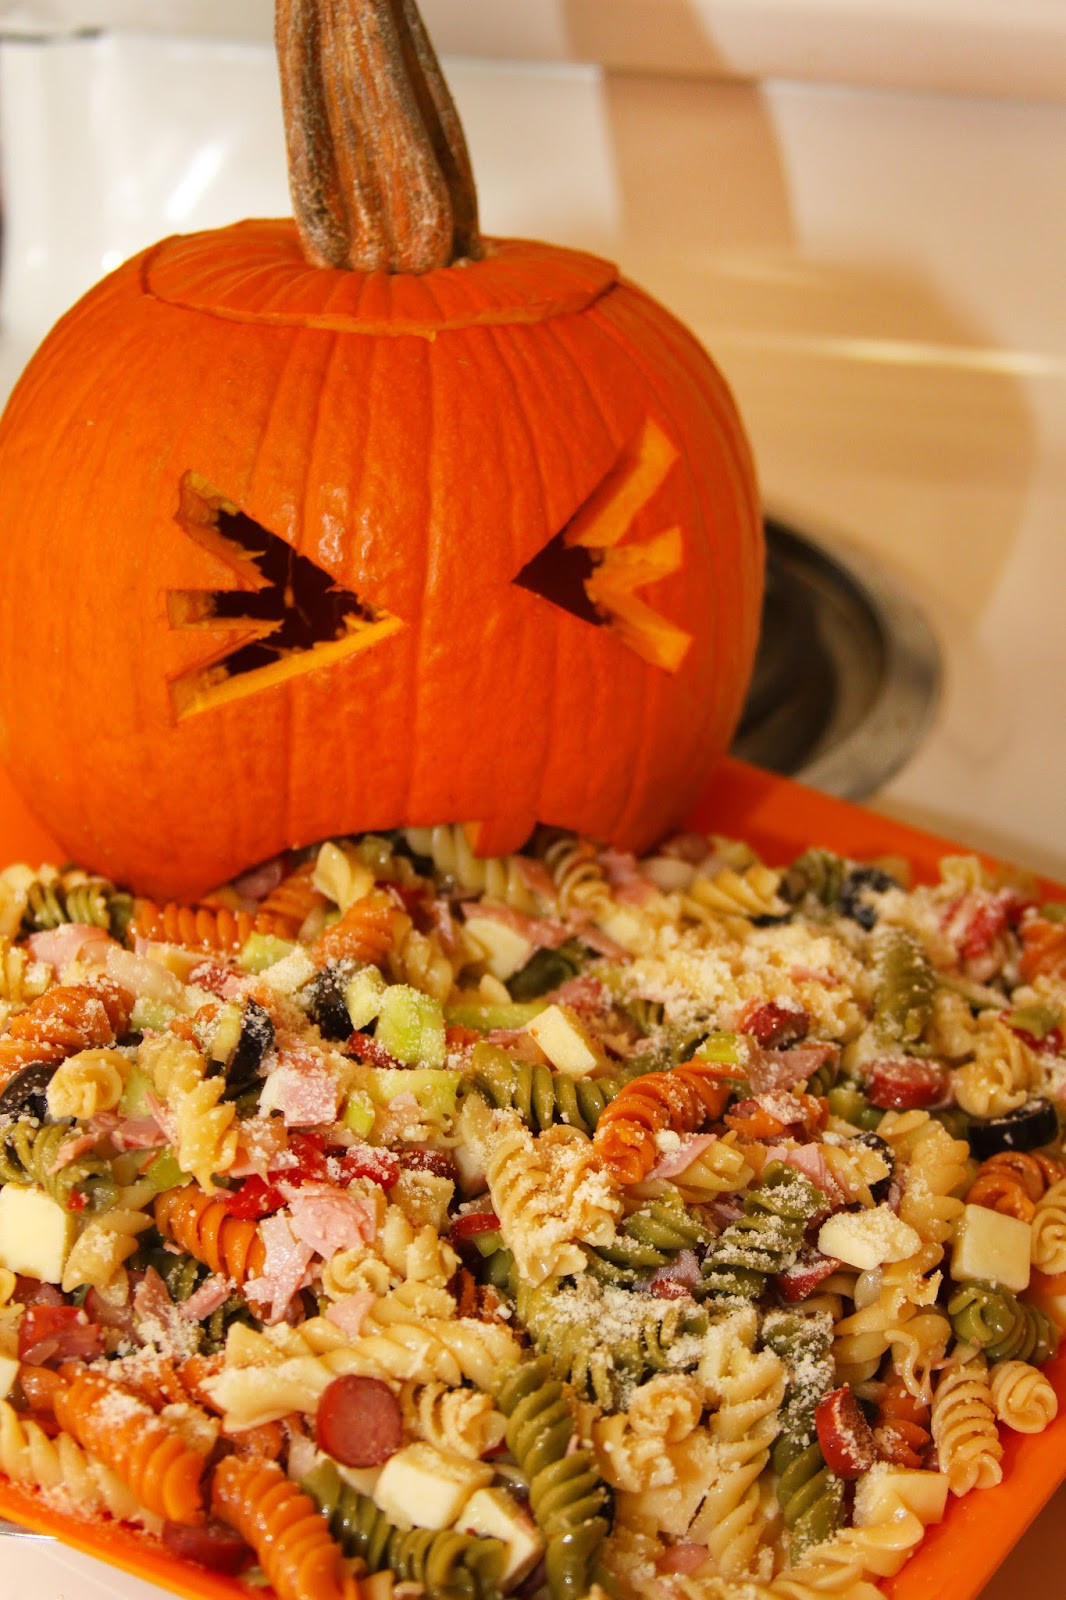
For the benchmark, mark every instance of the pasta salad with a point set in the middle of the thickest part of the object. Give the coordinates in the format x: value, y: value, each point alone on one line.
x: 399, y: 1223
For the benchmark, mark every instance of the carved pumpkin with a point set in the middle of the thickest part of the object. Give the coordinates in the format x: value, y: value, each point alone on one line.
x: 362, y: 520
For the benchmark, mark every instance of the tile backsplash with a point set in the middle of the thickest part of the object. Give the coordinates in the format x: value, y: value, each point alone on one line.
x: 955, y: 46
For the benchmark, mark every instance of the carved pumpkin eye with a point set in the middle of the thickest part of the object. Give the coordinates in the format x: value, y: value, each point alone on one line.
x: 284, y: 616
x: 587, y: 571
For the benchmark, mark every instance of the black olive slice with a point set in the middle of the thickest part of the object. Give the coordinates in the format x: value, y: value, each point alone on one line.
x: 874, y: 1141
x: 544, y: 971
x: 1029, y: 1127
x: 256, y: 1038
x: 327, y: 1008
x: 851, y: 901
x: 25, y: 1095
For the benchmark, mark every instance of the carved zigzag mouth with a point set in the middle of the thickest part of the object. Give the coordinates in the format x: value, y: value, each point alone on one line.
x: 285, y: 616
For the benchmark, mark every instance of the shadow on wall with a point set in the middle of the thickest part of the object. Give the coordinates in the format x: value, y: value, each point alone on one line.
x: 853, y: 365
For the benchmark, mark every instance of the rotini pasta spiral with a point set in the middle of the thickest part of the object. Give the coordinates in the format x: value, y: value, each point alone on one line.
x: 98, y: 1254
x: 205, y: 1229
x: 60, y: 1468
x: 935, y: 1172
x: 54, y: 898
x: 365, y: 932
x: 1049, y: 1230
x: 283, y: 1526
x: 904, y: 988
x: 159, y: 1468
x: 964, y: 1428
x: 1013, y: 1181
x: 682, y: 1100
x: 551, y: 1195
x: 504, y: 878
x: 763, y: 1241
x: 62, y: 1021
x: 30, y: 1153
x: 749, y: 893
x: 568, y: 1502
x: 1001, y: 1326
x: 217, y: 929
x: 539, y: 1095
x: 86, y: 1083
x: 578, y: 877
x: 601, y: 1340
x: 1023, y: 1398
x: 811, y: 1497
x: 648, y: 1238
x: 21, y: 978
x: 443, y: 1563
x: 464, y: 1421
x: 1003, y: 1074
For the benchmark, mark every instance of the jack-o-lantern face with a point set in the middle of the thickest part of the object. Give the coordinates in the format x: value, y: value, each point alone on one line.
x: 290, y: 552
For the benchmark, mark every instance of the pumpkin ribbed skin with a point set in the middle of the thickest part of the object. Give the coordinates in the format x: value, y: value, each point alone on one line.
x: 418, y: 438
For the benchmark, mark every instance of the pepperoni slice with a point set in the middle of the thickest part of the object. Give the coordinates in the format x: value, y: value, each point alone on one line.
x: 359, y: 1421
x: 905, y: 1084
x: 58, y: 1333
x: 803, y: 1277
x: 469, y: 1223
x: 844, y: 1434
x: 214, y: 1545
x: 775, y: 1025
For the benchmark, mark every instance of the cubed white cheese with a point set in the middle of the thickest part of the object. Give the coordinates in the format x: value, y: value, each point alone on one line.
x: 991, y: 1246
x: 866, y: 1239
x: 423, y: 1487
x: 9, y: 1371
x: 290, y: 973
x: 502, y: 949
x: 36, y: 1233
x: 880, y: 1493
x: 363, y: 994
x: 558, y: 1031
x: 492, y: 1514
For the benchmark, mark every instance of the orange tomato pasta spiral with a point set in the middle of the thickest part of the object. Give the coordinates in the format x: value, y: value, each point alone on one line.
x: 160, y: 1469
x: 294, y: 898
x: 366, y: 931
x: 682, y: 1099
x: 1013, y: 1181
x: 210, y: 928
x: 202, y: 1225
x: 902, y: 1428
x: 283, y: 1527
x: 62, y: 1021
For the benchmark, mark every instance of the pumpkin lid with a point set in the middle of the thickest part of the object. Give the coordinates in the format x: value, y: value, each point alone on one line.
x: 256, y: 272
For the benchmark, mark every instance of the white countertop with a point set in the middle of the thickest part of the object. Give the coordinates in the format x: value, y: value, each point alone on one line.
x: 880, y: 274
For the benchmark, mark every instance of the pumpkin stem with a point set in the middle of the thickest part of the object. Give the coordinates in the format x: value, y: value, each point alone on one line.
x: 378, y: 165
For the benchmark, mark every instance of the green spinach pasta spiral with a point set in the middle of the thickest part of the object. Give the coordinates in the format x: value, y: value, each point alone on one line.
x: 76, y: 897
x: 811, y: 1497
x: 569, y: 1324
x: 1003, y: 1327
x: 903, y: 995
x: 448, y: 1565
x: 649, y: 1238
x: 28, y: 1154
x: 818, y: 873
x: 569, y: 1503
x: 539, y: 1095
x: 764, y: 1241
x: 805, y: 1345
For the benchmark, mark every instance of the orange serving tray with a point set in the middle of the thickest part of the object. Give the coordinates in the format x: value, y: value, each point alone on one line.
x: 779, y: 818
